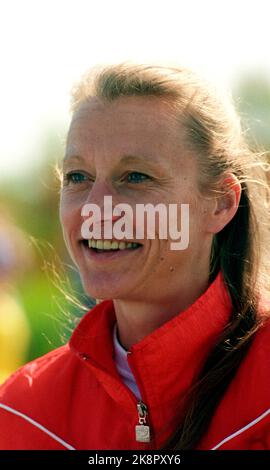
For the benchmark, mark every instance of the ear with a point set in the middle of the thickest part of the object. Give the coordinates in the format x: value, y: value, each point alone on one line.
x: 225, y: 204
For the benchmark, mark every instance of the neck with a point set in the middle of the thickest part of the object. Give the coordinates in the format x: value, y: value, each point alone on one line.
x: 136, y: 320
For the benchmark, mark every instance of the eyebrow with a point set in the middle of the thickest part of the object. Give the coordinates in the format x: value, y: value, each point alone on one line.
x: 72, y: 157
x: 124, y: 159
x: 133, y: 159
x: 157, y: 166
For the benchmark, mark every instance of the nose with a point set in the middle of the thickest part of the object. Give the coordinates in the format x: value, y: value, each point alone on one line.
x: 100, y: 189
x: 105, y: 197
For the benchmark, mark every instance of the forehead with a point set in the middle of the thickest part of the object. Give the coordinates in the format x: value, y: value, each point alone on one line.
x: 127, y: 118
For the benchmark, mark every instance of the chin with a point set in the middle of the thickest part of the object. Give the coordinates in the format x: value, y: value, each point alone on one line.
x: 103, y: 292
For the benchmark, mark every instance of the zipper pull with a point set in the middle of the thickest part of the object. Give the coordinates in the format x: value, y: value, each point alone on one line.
x: 142, y: 430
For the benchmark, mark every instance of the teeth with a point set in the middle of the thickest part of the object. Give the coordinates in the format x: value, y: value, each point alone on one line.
x: 114, y: 245
x: 109, y: 245
x: 106, y: 245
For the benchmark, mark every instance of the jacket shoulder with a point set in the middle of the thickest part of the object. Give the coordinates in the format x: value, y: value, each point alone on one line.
x: 28, y: 402
x: 259, y: 350
x: 24, y: 382
x: 252, y: 380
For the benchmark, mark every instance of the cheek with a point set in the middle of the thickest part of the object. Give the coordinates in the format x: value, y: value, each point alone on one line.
x: 70, y: 215
x: 69, y: 218
x: 64, y: 213
x: 199, y: 223
x: 190, y: 224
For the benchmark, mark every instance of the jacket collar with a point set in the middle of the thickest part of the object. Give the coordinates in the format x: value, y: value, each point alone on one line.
x: 166, y: 362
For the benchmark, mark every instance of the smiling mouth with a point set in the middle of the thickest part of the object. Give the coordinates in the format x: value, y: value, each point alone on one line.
x: 110, y: 246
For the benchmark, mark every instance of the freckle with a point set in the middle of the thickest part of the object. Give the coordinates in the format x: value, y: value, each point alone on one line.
x: 161, y: 259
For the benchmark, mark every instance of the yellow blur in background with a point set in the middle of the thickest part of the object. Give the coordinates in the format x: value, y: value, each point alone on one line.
x: 14, y: 335
x: 16, y: 259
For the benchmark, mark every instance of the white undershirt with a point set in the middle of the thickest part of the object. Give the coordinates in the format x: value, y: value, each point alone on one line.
x: 121, y: 362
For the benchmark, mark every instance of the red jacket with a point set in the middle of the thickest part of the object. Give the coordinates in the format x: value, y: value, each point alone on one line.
x: 73, y: 397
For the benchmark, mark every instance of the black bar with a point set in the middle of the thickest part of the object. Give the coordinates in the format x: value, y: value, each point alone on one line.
x: 118, y: 459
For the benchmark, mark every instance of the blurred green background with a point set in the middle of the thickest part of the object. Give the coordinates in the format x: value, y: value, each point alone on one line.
x: 41, y: 297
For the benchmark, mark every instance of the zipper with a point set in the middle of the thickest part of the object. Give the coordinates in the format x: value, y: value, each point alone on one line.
x: 143, y: 428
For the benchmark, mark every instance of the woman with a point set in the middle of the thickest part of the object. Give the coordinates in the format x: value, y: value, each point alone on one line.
x: 176, y: 354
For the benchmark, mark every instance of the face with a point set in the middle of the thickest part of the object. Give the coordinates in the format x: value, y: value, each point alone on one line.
x: 133, y: 150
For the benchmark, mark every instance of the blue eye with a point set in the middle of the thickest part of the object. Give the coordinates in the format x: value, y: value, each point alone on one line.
x: 75, y: 177
x: 137, y: 177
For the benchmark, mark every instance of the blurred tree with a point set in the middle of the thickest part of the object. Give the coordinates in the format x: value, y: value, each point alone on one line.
x: 252, y: 97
